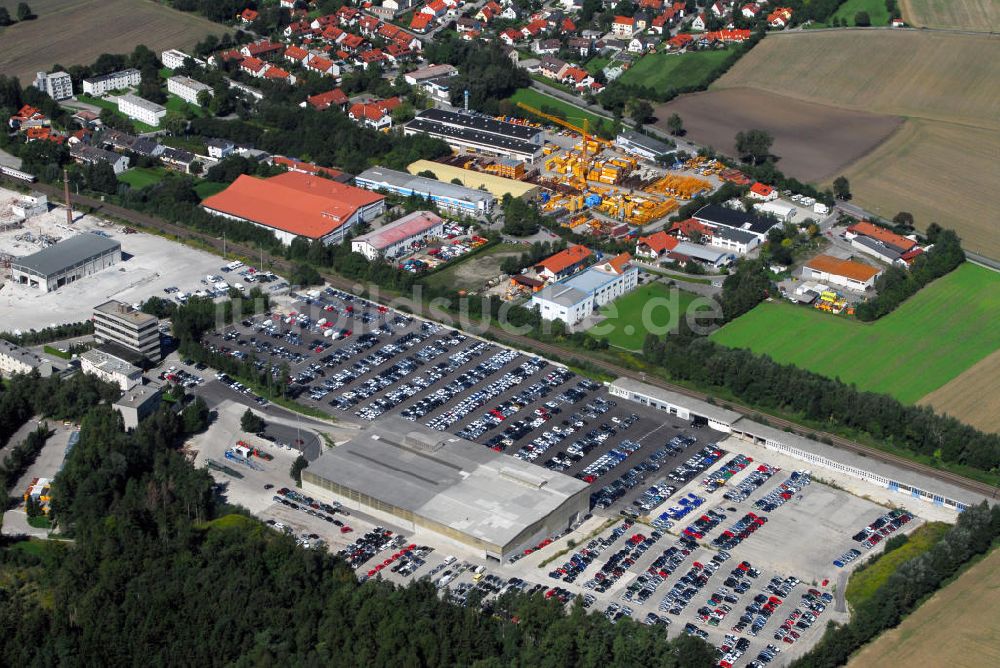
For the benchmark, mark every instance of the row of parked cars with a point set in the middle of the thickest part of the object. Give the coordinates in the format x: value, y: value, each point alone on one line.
x: 883, y: 527
x: 751, y: 483
x: 784, y: 492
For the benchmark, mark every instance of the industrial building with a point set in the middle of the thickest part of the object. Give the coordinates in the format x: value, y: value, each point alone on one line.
x: 141, y: 110
x: 445, y: 195
x: 674, y: 403
x: 122, y: 325
x: 67, y: 261
x: 58, y: 85
x: 113, y: 81
x: 845, y: 273
x: 497, y: 186
x: 881, y: 243
x: 187, y: 88
x: 110, y: 368
x: 398, y: 237
x: 716, y: 216
x: 480, y: 134
x: 574, y: 299
x: 642, y: 145
x: 296, y: 204
x: 15, y: 359
x: 425, y: 480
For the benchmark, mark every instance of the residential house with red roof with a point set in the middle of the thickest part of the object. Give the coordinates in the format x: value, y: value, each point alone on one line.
x: 296, y: 54
x: 371, y: 57
x: 263, y: 49
x: 324, y: 66
x: 762, y: 192
x: 275, y: 73
x: 564, y: 263
x: 623, y: 26
x: 511, y: 36
x: 28, y: 117
x: 295, y: 204
x: 376, y: 114
x: 655, y: 246
x: 255, y: 67
x: 248, y: 16
x: 331, y: 98
x: 421, y: 22
x: 435, y: 8
x: 679, y: 42
x: 750, y: 10
x: 698, y: 23
x: 780, y: 17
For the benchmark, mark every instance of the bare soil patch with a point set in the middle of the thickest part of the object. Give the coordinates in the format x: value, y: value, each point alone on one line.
x: 813, y: 141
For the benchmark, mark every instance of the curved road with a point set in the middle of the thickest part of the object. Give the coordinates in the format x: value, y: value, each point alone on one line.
x: 547, y: 349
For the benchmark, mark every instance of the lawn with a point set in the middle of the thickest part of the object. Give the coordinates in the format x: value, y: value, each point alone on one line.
x: 652, y: 308
x: 113, y: 106
x: 595, y: 65
x: 673, y: 70
x: 175, y: 103
x: 932, y: 338
x: 140, y: 177
x: 548, y: 104
x: 206, y: 189
x: 866, y: 581
x: 875, y: 8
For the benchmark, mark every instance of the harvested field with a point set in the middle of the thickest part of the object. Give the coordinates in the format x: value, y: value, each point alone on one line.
x: 940, y: 76
x: 977, y: 15
x: 77, y: 32
x: 939, y: 172
x: 814, y: 141
x: 956, y: 627
x: 972, y: 397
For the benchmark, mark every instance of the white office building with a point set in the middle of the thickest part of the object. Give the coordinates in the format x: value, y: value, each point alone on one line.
x: 398, y: 237
x: 187, y: 88
x: 58, y: 85
x: 15, y: 359
x: 120, y: 324
x: 111, y: 369
x: 574, y: 299
x: 141, y: 110
x: 114, y: 81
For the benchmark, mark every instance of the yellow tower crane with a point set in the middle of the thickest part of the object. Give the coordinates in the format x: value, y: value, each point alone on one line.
x: 584, y: 131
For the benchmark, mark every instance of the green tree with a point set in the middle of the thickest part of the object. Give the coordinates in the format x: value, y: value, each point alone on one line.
x: 862, y: 19
x: 296, y: 471
x: 933, y: 232
x: 304, y: 274
x: 204, y: 98
x: 5, y: 19
x: 904, y: 222
x: 675, y: 124
x: 196, y: 416
x: 641, y: 111
x: 252, y: 423
x: 175, y: 123
x: 24, y: 12
x: 101, y: 177
x: 754, y: 146
x: 842, y: 188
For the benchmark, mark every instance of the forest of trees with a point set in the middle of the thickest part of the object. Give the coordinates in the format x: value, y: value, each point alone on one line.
x: 162, y: 571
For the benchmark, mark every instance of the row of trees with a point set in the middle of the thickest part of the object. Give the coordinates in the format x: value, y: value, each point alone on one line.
x: 897, y: 284
x: 159, y: 569
x: 759, y: 381
x: 20, y: 458
x: 49, y: 334
x: 23, y: 13
x: 912, y: 582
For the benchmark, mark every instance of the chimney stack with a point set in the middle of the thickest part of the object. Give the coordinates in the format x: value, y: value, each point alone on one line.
x: 69, y: 203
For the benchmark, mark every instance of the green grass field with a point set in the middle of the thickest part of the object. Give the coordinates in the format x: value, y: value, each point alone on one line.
x: 595, y: 65
x: 175, y: 103
x: 864, y: 583
x: 543, y: 102
x: 140, y: 177
x: 875, y: 8
x: 206, y: 189
x: 933, y: 337
x: 663, y: 70
x: 653, y: 307
x: 113, y: 106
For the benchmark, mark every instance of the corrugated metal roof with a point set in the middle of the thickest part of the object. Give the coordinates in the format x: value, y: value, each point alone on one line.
x: 66, y: 253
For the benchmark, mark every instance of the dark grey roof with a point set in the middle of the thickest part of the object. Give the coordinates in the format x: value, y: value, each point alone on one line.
x: 733, y: 234
x: 177, y: 155
x: 493, y: 141
x: 66, y: 254
x: 480, y: 123
x: 879, y: 247
x: 649, y: 143
x: 714, y: 214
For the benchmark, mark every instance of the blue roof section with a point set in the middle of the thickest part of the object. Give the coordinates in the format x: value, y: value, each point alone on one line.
x: 589, y: 280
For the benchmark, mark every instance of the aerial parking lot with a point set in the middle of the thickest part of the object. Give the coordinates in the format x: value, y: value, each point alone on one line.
x: 690, y: 529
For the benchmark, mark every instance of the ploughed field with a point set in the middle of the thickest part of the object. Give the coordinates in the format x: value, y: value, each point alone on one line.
x: 76, y: 32
x: 813, y: 141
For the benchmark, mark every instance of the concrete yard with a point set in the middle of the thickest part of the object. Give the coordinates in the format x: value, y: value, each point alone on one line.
x: 149, y: 265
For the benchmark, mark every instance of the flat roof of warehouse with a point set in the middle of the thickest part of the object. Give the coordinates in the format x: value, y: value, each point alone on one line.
x: 66, y: 253
x: 697, y: 406
x: 497, y: 185
x: 399, y: 230
x: 422, y: 184
x: 495, y: 141
x: 449, y: 480
x: 481, y: 123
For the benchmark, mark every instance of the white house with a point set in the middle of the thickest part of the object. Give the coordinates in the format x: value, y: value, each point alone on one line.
x: 187, y: 88
x: 574, y: 299
x: 141, y: 110
x: 113, y: 81
x: 110, y: 368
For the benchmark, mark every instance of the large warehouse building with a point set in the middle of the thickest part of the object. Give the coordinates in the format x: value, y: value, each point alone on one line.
x: 481, y: 134
x: 497, y: 186
x: 398, y: 236
x: 296, y: 204
x: 67, y: 261
x: 445, y: 195
x: 423, y: 479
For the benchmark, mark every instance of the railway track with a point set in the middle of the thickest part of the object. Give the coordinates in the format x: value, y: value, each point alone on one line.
x: 139, y: 219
